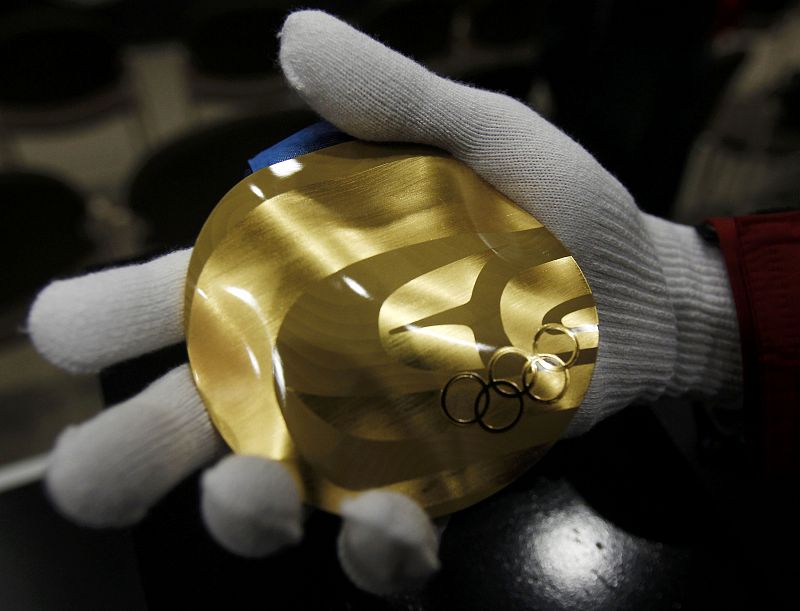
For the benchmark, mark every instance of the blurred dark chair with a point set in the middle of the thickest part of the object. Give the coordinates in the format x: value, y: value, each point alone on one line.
x: 233, y: 49
x: 42, y: 232
x: 176, y: 188
x: 419, y: 28
x: 51, y: 61
x: 66, y: 104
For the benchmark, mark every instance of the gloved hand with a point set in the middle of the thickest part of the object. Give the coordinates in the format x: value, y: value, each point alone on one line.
x: 666, y: 315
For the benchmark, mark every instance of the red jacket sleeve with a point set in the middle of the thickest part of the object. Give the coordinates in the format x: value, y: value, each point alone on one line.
x: 762, y: 255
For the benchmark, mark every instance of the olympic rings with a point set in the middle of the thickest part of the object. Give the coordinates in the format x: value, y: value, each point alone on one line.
x: 506, y: 389
x: 555, y: 327
x: 556, y: 364
x: 499, y: 354
x: 488, y: 426
x: 467, y: 375
x: 482, y: 400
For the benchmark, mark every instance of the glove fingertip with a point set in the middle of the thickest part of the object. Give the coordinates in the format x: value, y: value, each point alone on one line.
x: 300, y: 29
x: 52, y: 330
x: 388, y: 543
x: 71, y: 483
x: 251, y: 506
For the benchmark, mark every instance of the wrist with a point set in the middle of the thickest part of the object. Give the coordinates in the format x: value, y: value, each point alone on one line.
x: 708, y: 356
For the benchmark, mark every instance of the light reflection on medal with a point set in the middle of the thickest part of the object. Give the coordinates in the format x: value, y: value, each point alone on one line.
x: 380, y: 317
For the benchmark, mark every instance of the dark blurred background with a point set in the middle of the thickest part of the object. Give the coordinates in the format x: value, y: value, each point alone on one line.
x: 122, y: 123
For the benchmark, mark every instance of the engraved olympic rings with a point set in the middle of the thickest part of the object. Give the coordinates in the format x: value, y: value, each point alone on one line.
x: 479, y: 412
x: 557, y: 328
x: 533, y: 364
x: 549, y: 362
x: 493, y: 366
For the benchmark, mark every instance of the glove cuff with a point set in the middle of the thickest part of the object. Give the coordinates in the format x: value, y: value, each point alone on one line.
x: 708, y: 357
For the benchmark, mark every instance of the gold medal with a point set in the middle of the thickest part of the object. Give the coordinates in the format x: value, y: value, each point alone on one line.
x: 380, y: 317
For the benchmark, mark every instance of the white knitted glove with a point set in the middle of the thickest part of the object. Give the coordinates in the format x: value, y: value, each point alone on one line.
x: 666, y: 315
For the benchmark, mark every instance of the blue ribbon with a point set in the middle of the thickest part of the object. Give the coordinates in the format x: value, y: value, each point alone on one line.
x: 313, y: 138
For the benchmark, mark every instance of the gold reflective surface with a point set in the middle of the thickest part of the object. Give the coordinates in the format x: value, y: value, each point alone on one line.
x: 380, y: 317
